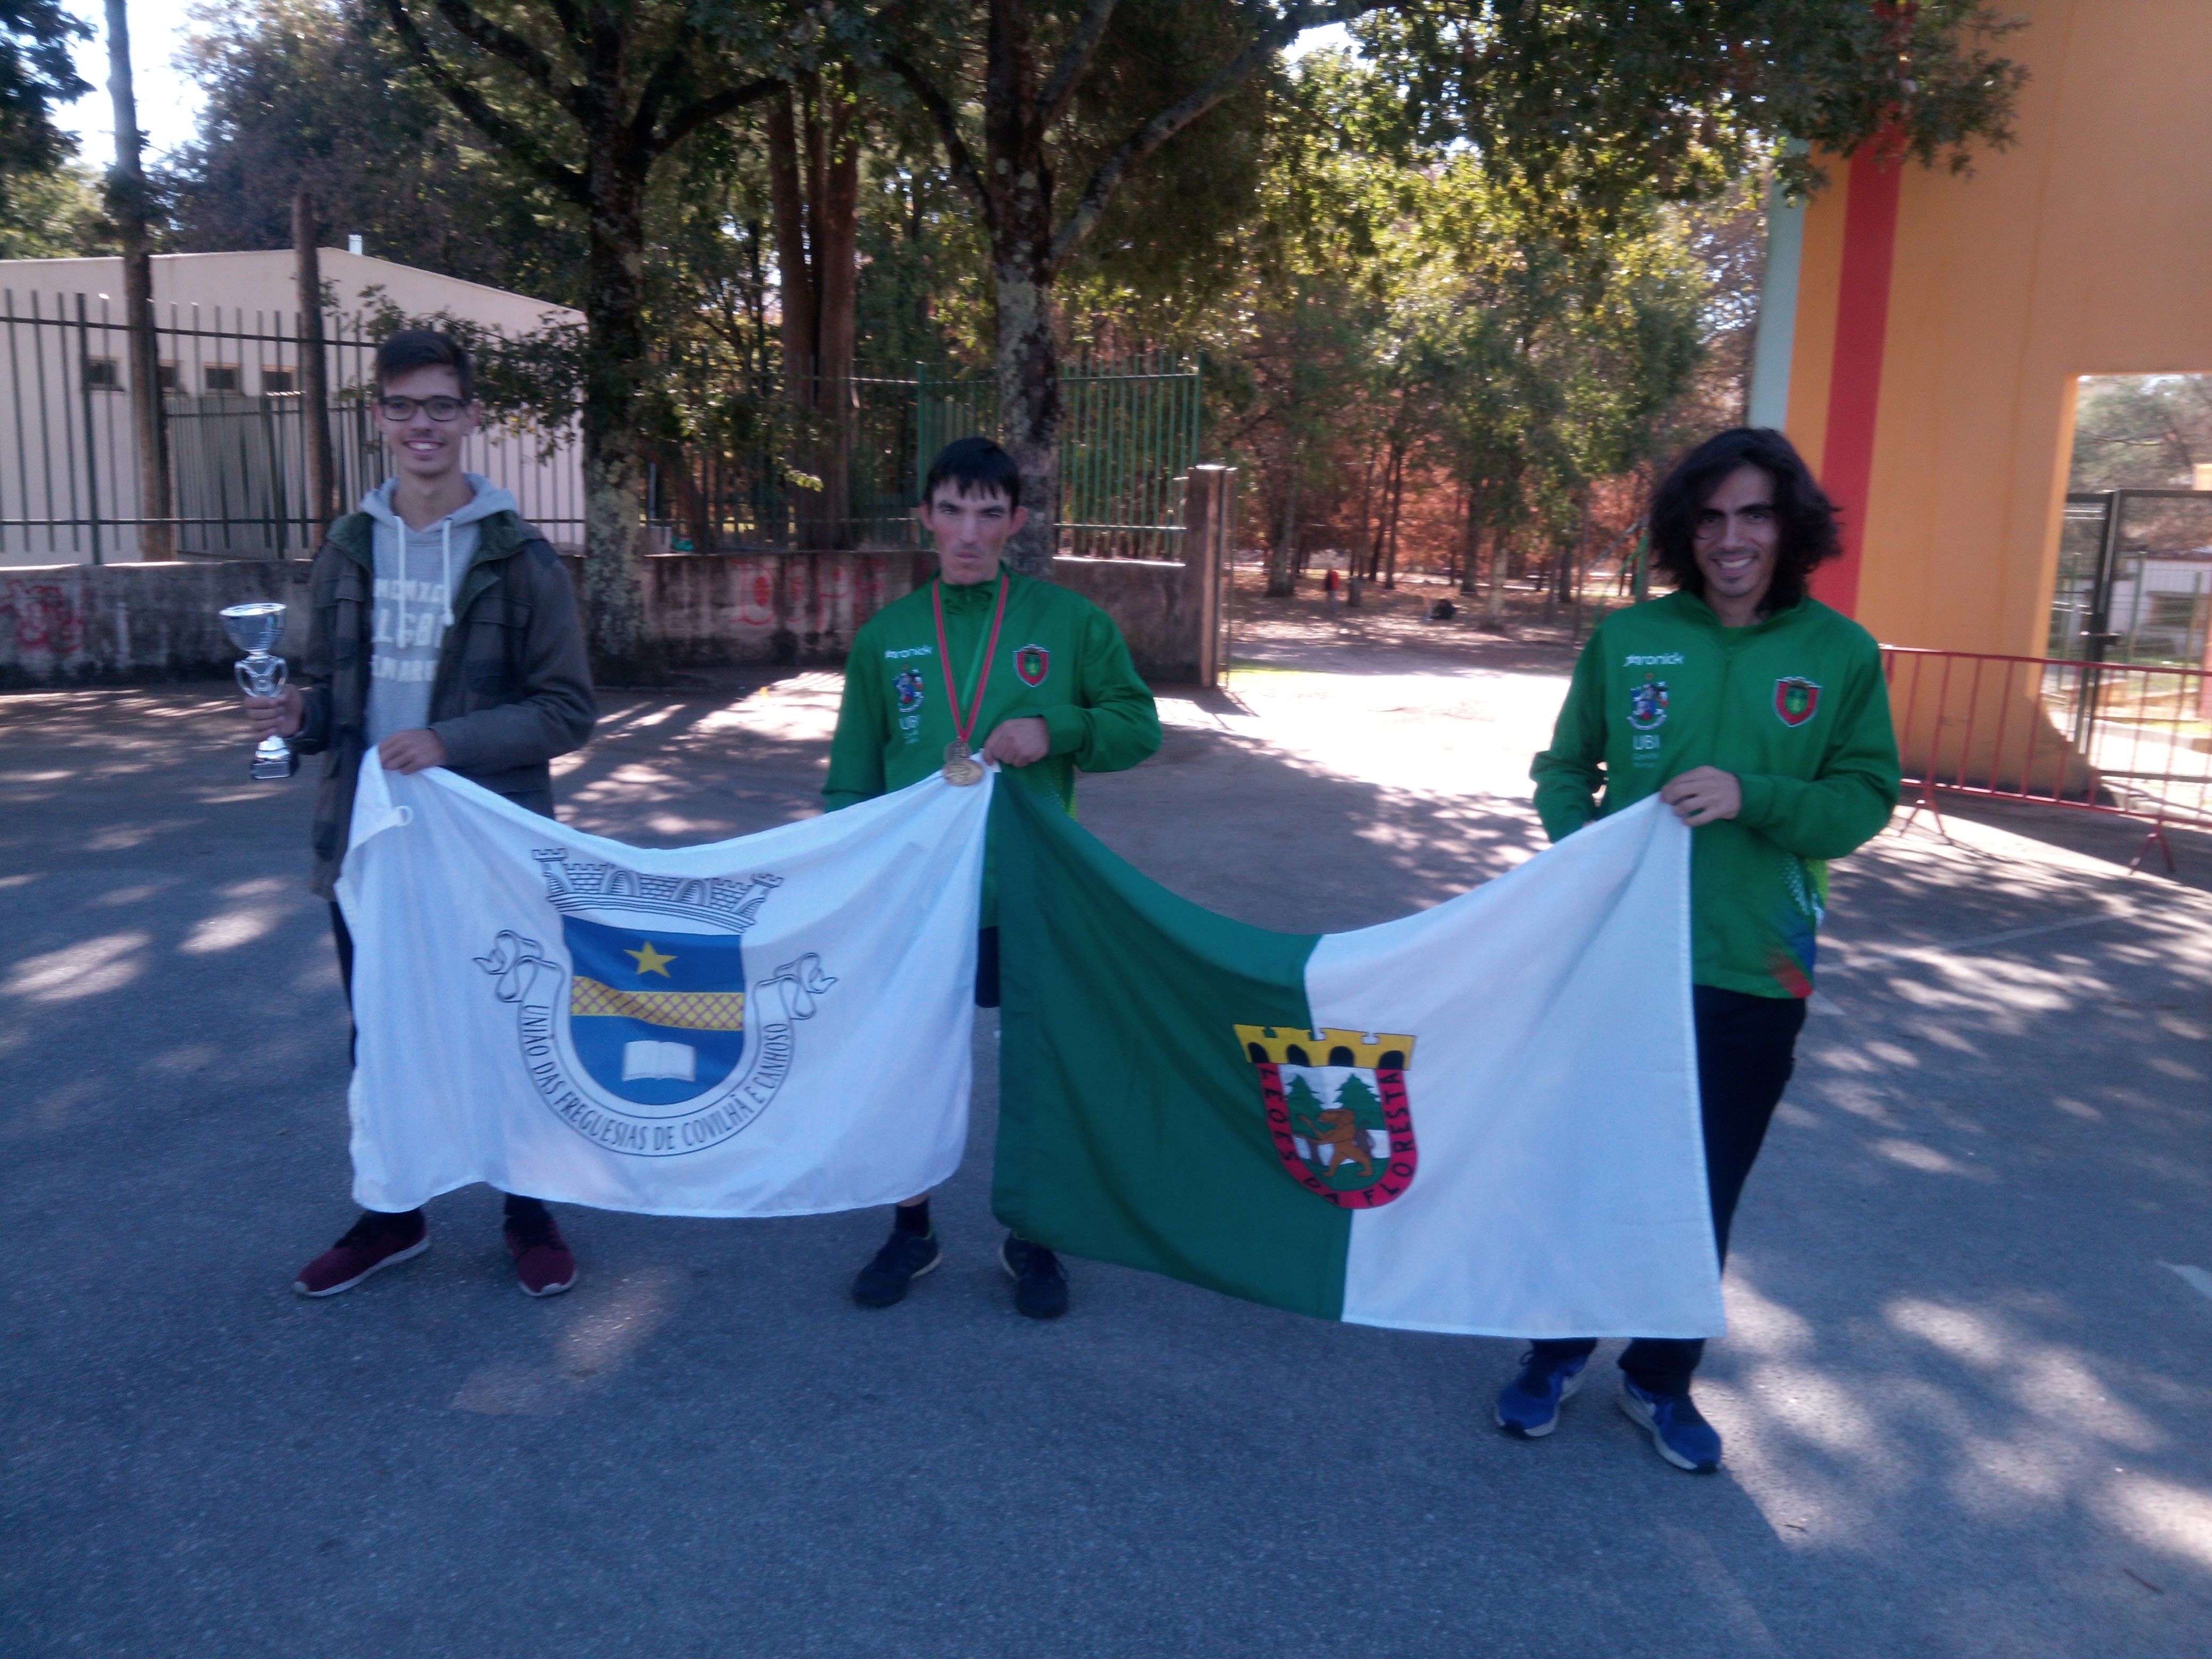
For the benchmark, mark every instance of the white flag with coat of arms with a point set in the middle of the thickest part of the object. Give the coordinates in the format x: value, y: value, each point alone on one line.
x: 777, y: 1025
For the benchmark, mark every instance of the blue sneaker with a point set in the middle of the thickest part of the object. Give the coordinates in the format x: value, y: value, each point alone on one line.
x: 1678, y: 1429
x: 1529, y: 1406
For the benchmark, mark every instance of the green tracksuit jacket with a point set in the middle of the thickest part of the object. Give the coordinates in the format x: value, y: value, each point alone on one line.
x: 1795, y: 706
x: 1059, y: 656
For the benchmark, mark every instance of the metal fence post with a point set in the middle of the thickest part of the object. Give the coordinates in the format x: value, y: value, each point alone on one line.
x: 91, y: 451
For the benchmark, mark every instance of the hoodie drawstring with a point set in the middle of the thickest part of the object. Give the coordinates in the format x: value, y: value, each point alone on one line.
x: 445, y: 564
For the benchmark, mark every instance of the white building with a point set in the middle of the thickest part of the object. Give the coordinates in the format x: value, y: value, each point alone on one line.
x: 228, y: 335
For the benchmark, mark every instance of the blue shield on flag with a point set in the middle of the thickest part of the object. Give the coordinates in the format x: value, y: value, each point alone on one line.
x: 656, y: 1018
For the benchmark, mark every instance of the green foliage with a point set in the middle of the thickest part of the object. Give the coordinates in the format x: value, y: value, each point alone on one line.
x: 2142, y: 432
x: 1595, y: 104
x: 56, y: 213
x: 313, y: 93
x: 36, y: 75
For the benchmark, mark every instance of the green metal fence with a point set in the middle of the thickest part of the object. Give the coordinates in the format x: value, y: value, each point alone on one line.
x: 1129, y: 433
x: 757, y: 472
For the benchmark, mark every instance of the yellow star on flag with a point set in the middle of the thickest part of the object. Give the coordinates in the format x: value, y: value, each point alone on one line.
x: 650, y: 961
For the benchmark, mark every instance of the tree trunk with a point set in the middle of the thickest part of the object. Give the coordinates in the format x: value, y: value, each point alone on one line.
x: 126, y: 201
x: 1397, y: 504
x: 1493, y: 606
x: 614, y: 461
x: 314, y: 370
x: 1470, y: 549
x: 1030, y: 407
x: 814, y: 188
x: 1282, y: 558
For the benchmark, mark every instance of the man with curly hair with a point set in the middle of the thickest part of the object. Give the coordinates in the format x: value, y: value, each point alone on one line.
x: 1762, y: 717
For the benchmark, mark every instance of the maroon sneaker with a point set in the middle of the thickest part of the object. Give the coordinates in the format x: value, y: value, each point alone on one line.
x: 543, y: 1265
x: 374, y: 1240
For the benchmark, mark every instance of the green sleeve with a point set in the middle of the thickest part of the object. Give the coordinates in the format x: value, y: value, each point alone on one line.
x: 1845, y: 806
x: 1115, y: 724
x: 1570, y: 774
x: 856, y: 753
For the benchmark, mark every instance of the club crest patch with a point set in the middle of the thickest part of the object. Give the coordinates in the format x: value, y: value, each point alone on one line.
x: 1336, y: 1106
x: 634, y: 1027
x: 1031, y: 664
x: 906, y: 683
x: 1647, y: 704
x: 1796, y: 700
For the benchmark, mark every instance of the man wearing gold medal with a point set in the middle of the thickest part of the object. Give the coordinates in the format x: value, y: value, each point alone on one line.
x: 1035, y: 677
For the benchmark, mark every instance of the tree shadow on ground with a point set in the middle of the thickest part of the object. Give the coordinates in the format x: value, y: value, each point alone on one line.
x: 1964, y: 1399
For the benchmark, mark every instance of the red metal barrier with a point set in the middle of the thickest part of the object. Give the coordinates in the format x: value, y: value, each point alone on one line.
x: 2115, y: 737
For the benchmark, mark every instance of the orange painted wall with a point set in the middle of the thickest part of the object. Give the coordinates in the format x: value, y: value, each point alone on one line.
x: 2085, y: 248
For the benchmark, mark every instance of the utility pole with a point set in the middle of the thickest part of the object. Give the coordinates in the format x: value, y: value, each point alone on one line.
x: 126, y: 205
x: 315, y: 370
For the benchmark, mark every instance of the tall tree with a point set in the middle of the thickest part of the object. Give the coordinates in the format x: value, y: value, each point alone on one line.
x: 591, y: 97
x: 1597, y: 97
x: 128, y: 206
x: 814, y: 182
x: 35, y: 75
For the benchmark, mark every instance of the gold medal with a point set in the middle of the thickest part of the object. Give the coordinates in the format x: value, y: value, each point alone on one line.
x: 959, y: 767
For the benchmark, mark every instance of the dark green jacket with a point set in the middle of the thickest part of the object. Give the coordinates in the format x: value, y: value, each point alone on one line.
x: 1795, y: 706
x: 514, y: 687
x: 1059, y: 657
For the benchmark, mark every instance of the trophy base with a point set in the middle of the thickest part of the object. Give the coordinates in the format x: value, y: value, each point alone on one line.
x: 266, y: 768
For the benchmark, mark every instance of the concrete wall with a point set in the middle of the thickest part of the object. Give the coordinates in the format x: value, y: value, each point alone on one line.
x: 1171, y: 613
x: 126, y: 623
x: 129, y: 624
x: 1941, y: 320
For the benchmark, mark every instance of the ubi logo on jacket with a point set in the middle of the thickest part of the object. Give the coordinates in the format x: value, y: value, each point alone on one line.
x: 1796, y: 699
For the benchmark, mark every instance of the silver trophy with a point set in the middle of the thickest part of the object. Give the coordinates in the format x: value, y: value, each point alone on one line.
x: 255, y: 628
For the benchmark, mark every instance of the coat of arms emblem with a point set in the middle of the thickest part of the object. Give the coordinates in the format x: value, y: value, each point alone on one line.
x: 1031, y: 664
x: 635, y: 1031
x: 1336, y: 1106
x: 1647, y: 704
x: 906, y: 683
x: 1796, y: 699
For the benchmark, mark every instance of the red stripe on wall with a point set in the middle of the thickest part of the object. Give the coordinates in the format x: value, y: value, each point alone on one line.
x: 1854, y: 386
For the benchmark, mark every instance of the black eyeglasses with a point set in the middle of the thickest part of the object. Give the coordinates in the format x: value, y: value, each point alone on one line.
x: 403, y: 408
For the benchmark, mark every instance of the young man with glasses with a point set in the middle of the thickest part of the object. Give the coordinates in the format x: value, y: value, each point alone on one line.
x: 1029, y: 674
x: 444, y: 634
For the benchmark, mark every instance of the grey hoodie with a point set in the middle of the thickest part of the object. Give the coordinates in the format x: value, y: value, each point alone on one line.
x: 417, y: 574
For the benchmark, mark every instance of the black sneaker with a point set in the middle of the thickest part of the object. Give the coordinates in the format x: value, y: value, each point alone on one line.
x: 1039, y: 1282
x: 904, y: 1258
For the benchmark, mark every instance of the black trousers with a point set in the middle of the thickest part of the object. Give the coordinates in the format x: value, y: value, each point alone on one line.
x: 1746, y: 1049
x: 342, y: 937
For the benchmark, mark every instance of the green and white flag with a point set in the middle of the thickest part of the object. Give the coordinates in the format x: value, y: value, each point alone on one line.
x: 1480, y: 1119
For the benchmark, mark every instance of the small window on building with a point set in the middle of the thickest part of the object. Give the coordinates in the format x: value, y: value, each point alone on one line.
x: 220, y: 377
x: 103, y: 373
x: 275, y: 380
x: 2173, y: 611
x: 172, y: 379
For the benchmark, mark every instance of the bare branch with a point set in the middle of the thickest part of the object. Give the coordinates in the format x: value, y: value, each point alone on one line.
x: 1060, y: 86
x: 1272, y: 37
x: 696, y: 115
x: 463, y: 97
x: 958, y: 158
x: 509, y: 48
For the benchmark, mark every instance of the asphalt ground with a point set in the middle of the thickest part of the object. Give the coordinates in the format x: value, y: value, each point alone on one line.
x: 1965, y: 1401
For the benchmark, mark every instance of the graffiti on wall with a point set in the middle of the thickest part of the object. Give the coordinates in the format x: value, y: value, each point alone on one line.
x: 39, y: 618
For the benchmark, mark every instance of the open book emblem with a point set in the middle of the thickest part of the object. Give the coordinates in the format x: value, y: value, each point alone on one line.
x: 635, y: 1030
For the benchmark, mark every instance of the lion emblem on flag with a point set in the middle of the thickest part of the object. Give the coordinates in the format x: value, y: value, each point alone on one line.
x: 1337, y: 1108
